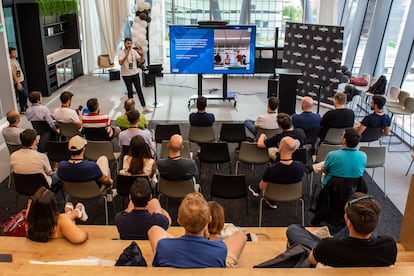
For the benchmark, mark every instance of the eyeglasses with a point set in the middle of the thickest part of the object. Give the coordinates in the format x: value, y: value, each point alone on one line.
x: 360, y: 198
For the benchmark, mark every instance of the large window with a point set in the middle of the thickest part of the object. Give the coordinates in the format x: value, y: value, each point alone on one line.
x: 351, y: 7
x: 392, y: 38
x: 364, y: 35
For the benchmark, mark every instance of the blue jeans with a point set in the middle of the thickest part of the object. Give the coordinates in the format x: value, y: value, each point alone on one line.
x: 249, y: 124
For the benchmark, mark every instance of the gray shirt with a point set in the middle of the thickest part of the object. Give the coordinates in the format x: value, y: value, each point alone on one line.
x: 12, y: 135
x: 126, y: 136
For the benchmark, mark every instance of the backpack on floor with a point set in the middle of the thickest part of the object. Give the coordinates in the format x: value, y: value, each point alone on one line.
x: 131, y: 256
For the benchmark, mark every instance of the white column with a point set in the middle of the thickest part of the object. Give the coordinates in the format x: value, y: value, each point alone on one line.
x: 327, y: 12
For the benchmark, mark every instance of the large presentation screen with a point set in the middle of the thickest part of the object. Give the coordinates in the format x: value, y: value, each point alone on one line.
x: 212, y: 50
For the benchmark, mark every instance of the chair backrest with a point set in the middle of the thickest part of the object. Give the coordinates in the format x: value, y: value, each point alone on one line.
x: 375, y: 156
x: 27, y: 184
x: 394, y: 93
x: 323, y: 150
x: 68, y: 129
x: 409, y: 105
x: 58, y: 151
x: 268, y: 132
x: 125, y: 150
x: 175, y: 188
x: 334, y: 136
x: 185, y: 152
x: 233, y: 133
x: 13, y: 148
x: 366, y: 77
x: 228, y: 186
x: 104, y: 61
x: 96, y: 133
x: 311, y: 135
x: 164, y: 132
x: 402, y: 97
x: 82, y: 190
x: 251, y: 154
x: 214, y: 153
x: 372, y: 81
x: 95, y: 149
x: 283, y: 192
x: 371, y: 134
x: 124, y: 183
x: 201, y: 134
x: 41, y: 127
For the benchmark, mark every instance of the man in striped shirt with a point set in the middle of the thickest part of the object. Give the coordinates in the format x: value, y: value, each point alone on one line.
x: 96, y: 120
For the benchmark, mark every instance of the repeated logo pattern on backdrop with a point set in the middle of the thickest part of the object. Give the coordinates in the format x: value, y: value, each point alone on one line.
x: 317, y: 51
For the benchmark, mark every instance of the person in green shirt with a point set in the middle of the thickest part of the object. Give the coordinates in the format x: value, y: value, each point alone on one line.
x: 122, y: 120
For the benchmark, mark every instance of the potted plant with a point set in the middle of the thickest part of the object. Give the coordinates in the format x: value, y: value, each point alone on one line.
x: 57, y: 7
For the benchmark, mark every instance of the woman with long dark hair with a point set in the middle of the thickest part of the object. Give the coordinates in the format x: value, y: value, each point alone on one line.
x: 44, y: 222
x: 139, y: 160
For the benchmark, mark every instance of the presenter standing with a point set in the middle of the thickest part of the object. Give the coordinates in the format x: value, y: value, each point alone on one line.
x: 128, y: 59
x: 18, y: 80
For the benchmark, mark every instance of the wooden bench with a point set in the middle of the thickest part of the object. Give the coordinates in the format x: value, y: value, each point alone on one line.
x: 104, y: 243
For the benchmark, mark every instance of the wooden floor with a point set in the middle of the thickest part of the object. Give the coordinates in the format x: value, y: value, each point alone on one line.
x: 104, y: 244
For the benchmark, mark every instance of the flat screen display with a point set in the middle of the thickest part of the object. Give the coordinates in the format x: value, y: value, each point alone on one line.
x: 212, y: 50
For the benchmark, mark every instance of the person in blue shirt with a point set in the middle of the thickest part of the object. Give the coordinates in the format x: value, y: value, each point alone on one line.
x: 201, y: 118
x: 307, y: 119
x: 194, y: 250
x: 378, y: 119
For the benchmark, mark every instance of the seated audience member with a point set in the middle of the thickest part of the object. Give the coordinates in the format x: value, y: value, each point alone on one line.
x: 176, y: 167
x: 201, y: 118
x: 347, y: 162
x: 11, y: 134
x: 64, y: 114
x: 193, y: 250
x: 38, y: 112
x: 360, y: 248
x: 286, y: 171
x: 215, y: 227
x: 122, y: 120
x: 378, y: 119
x: 44, y: 221
x: 28, y: 160
x: 307, y: 119
x: 97, y: 120
x: 78, y: 170
x: 139, y: 160
x: 142, y: 212
x: 340, y: 117
x: 272, y: 143
x: 267, y: 120
x: 126, y: 135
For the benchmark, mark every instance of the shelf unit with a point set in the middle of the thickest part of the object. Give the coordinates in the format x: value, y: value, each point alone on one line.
x: 41, y: 36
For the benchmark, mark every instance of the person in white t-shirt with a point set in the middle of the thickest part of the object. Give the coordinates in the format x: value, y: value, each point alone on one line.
x: 64, y: 114
x: 267, y: 120
x: 128, y: 59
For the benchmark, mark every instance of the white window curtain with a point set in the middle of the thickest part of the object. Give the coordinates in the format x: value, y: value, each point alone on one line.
x: 103, y: 21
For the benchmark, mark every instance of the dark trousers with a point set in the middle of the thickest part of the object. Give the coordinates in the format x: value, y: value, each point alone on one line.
x: 21, y: 96
x: 134, y: 79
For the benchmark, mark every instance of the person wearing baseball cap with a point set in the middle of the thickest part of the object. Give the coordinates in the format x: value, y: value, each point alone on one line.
x: 78, y: 170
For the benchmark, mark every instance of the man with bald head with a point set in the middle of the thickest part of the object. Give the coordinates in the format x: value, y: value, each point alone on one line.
x: 11, y: 134
x: 175, y: 167
x: 307, y: 119
x: 286, y: 171
x: 122, y: 120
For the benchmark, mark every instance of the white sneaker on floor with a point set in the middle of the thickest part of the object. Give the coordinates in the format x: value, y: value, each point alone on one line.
x: 81, y: 208
x: 271, y: 205
x: 147, y: 110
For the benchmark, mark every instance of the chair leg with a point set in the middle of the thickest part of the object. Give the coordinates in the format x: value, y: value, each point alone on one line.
x: 409, y: 167
x: 385, y: 192
x: 303, y: 211
x: 261, y: 212
x: 106, y: 209
x: 237, y: 167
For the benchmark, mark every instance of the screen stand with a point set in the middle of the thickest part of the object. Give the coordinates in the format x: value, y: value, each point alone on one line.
x: 156, y: 103
x: 226, y: 95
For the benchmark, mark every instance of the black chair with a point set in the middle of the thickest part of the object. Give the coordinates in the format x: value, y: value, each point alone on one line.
x: 96, y: 133
x: 232, y: 133
x: 27, y: 184
x: 125, y: 150
x: 371, y: 134
x: 44, y: 131
x: 214, y: 153
x: 229, y: 187
x: 58, y: 151
x: 164, y: 132
x: 124, y: 183
x: 311, y: 135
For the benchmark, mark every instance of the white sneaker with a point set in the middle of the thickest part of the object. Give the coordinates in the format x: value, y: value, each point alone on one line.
x: 271, y: 205
x: 81, y: 208
x: 147, y: 110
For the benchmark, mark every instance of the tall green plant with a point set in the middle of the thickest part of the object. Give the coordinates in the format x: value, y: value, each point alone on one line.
x: 57, y: 7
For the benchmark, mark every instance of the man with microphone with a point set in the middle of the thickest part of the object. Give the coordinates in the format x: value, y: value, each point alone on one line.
x: 128, y: 59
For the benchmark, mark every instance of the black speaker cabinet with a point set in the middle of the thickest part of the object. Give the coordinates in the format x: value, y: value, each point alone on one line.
x: 148, y: 79
x: 114, y: 74
x: 272, y: 87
